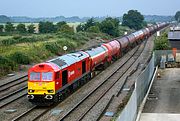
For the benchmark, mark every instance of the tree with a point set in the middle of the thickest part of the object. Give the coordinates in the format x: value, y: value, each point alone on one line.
x: 66, y: 29
x: 177, y: 16
x: 94, y: 29
x: 9, y: 27
x: 46, y: 27
x: 1, y: 28
x: 31, y: 28
x: 80, y: 27
x: 60, y: 24
x: 110, y: 26
x: 90, y: 22
x: 133, y: 19
x: 21, y: 28
x: 84, y: 27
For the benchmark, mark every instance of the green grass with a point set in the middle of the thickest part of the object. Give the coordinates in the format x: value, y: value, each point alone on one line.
x: 16, y: 50
x: 5, y: 37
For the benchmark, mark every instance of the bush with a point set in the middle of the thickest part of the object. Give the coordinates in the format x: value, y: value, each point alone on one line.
x: 20, y: 58
x: 8, y: 41
x: 66, y: 29
x: 162, y: 43
x: 94, y: 29
x: 53, y: 48
x: 71, y: 45
x: 6, y: 65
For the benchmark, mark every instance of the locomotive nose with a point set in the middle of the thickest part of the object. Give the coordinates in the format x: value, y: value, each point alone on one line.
x: 30, y: 96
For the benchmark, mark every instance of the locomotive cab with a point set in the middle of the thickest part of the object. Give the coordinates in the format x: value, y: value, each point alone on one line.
x: 41, y: 81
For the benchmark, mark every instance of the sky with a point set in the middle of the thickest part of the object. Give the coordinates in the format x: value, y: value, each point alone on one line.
x: 86, y: 8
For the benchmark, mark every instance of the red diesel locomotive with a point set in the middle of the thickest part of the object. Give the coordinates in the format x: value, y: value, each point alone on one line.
x: 51, y: 81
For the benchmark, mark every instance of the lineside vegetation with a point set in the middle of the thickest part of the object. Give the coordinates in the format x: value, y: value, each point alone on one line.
x: 22, y: 44
x: 162, y: 42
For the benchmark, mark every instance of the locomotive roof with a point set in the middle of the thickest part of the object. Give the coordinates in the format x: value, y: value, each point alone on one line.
x: 69, y: 59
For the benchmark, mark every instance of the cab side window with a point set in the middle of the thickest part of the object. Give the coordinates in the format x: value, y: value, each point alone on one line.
x: 57, y: 75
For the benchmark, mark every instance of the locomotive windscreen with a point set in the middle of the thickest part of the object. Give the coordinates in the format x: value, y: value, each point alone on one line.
x: 35, y: 76
x: 47, y: 76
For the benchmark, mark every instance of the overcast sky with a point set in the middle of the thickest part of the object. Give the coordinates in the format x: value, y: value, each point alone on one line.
x: 86, y: 8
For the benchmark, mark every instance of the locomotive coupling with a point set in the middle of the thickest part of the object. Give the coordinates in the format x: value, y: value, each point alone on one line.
x: 49, y: 97
x: 30, y: 96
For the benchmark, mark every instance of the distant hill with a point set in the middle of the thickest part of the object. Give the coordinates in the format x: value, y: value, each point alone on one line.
x: 4, y: 19
x: 24, y: 19
x: 156, y: 18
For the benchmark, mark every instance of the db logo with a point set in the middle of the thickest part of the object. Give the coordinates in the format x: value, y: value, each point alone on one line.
x: 71, y: 73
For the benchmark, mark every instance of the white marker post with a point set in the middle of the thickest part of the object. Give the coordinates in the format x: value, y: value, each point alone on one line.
x: 65, y: 48
x: 158, y: 33
x: 125, y: 33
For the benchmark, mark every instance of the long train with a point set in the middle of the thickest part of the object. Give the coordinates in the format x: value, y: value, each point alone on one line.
x: 51, y: 81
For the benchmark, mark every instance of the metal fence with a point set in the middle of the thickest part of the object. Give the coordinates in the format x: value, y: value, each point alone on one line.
x: 129, y: 113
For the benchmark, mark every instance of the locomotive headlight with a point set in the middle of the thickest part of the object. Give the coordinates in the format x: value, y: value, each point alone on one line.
x: 50, y: 91
x: 30, y: 90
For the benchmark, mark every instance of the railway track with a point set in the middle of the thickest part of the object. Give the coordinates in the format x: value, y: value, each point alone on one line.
x: 12, y: 97
x: 13, y: 90
x: 12, y: 83
x: 40, y: 112
x: 34, y: 113
x: 24, y: 114
x: 100, y: 107
x: 103, y: 93
x: 29, y: 114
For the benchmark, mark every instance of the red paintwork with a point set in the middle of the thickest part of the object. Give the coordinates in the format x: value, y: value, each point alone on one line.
x: 116, y: 48
x: 113, y: 49
x: 110, y: 51
x: 74, y: 72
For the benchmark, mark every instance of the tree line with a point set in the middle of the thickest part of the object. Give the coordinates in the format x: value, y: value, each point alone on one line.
x: 43, y: 27
x: 9, y: 27
x: 133, y: 19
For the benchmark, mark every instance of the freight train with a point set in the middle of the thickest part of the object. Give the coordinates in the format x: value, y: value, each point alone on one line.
x: 52, y: 81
